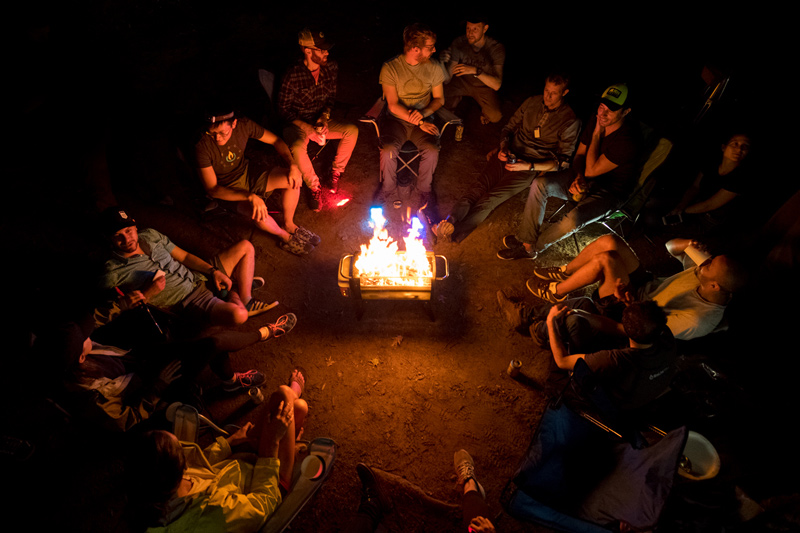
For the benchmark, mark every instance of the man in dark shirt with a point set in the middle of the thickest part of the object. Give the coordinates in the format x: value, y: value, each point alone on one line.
x: 305, y: 101
x: 636, y: 374
x: 600, y: 178
x: 227, y: 175
x: 474, y: 65
x: 539, y: 138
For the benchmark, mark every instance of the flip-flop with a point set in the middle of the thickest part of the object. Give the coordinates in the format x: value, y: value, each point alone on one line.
x: 293, y: 379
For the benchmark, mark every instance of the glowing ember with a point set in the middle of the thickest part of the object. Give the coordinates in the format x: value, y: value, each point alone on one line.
x: 382, y: 263
x: 340, y: 203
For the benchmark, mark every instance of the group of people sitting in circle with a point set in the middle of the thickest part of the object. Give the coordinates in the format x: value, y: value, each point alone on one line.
x: 630, y: 324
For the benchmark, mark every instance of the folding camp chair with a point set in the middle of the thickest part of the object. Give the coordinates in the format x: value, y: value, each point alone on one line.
x: 308, y: 477
x: 657, y: 150
x: 580, y: 474
x: 408, y: 152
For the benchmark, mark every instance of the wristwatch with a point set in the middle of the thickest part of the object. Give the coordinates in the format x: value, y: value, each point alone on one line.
x: 478, y: 71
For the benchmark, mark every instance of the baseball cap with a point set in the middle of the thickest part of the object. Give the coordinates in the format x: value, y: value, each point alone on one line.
x: 114, y: 219
x: 314, y: 39
x: 615, y: 97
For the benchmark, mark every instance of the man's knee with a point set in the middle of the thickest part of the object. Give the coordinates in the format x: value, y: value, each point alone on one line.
x: 492, y: 113
x: 610, y: 242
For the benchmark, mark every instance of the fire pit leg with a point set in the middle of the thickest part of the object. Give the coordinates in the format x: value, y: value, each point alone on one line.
x: 429, y: 305
x: 355, y: 293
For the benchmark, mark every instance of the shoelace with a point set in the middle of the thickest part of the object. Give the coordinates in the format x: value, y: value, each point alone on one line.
x: 277, y: 327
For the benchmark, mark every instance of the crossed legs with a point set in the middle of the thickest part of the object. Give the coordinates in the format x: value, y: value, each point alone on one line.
x: 606, y: 260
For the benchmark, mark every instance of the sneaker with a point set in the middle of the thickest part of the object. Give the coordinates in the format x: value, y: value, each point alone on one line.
x: 541, y: 289
x: 279, y: 328
x: 315, y: 199
x: 509, y: 254
x: 297, y: 246
x: 465, y: 469
x: 512, y: 310
x: 308, y: 236
x: 536, y: 334
x: 244, y: 380
x: 550, y: 274
x: 256, y: 307
x: 335, y: 177
x: 511, y: 241
x: 373, y: 500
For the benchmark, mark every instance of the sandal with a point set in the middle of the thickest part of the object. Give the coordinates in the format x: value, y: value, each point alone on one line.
x: 293, y: 378
x: 281, y: 327
x: 307, y: 236
x: 256, y: 307
x: 297, y: 246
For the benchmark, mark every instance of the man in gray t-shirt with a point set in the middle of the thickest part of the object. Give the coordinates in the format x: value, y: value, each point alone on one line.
x: 148, y: 268
x: 412, y: 86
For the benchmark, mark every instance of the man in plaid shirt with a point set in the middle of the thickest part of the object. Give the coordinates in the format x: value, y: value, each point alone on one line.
x: 304, y: 104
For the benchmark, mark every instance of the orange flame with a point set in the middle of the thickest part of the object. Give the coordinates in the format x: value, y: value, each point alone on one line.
x: 382, y: 263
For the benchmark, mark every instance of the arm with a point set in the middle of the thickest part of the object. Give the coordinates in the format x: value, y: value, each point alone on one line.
x: 562, y: 358
x: 567, y: 140
x: 720, y: 198
x: 597, y: 164
x: 690, y: 193
x: 195, y: 263
x: 493, y: 82
x: 677, y: 247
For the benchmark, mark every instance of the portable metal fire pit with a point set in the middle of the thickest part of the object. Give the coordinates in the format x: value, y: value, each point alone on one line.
x: 360, y: 287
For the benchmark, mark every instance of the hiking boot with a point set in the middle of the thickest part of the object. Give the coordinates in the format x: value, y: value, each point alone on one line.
x: 509, y: 254
x: 513, y: 311
x: 541, y: 289
x: 465, y: 470
x: 550, y: 273
x: 244, y: 380
x: 335, y: 177
x: 373, y: 500
x: 315, y: 199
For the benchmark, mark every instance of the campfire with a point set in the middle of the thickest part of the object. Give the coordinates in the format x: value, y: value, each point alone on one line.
x: 382, y: 271
x: 382, y: 263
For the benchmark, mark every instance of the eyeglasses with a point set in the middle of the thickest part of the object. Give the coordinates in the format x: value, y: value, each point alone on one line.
x: 316, y: 49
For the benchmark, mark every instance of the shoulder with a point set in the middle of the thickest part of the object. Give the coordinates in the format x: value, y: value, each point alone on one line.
x: 494, y: 46
x: 251, y: 128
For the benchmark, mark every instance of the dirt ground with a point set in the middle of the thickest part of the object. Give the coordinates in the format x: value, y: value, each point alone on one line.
x: 395, y: 390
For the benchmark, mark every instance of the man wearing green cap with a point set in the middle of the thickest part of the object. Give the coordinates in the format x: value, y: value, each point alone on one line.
x: 601, y: 176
